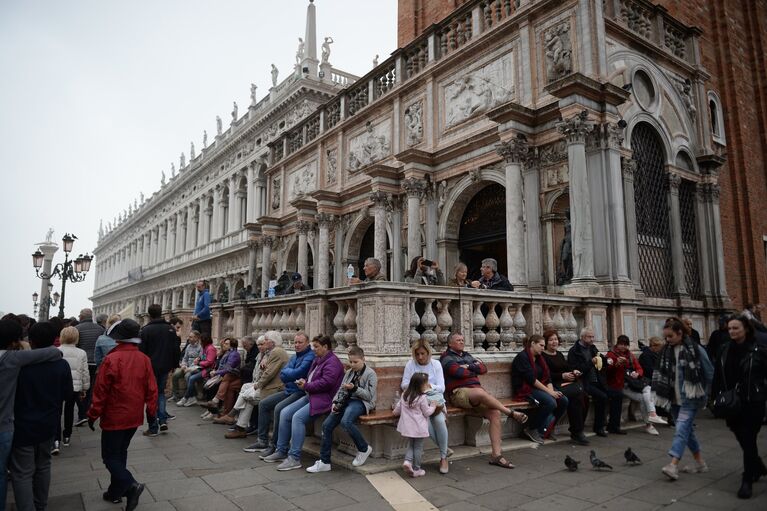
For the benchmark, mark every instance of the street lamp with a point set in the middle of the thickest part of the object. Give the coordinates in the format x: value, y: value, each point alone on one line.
x: 35, y: 296
x: 74, y: 271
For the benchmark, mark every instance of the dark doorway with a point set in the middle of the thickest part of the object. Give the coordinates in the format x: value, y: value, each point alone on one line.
x: 483, y: 230
x: 367, y: 249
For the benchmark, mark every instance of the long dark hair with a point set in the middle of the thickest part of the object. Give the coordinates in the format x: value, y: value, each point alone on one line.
x: 747, y: 325
x: 415, y: 388
x: 413, y: 267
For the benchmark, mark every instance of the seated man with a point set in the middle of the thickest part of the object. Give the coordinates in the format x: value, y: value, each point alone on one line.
x: 490, y: 278
x: 267, y: 382
x: 372, y: 269
x: 585, y: 357
x: 464, y: 391
x: 298, y: 285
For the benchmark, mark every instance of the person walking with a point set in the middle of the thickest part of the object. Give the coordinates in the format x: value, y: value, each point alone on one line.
x: 742, y: 365
x: 89, y: 334
x: 159, y: 343
x: 81, y: 382
x: 124, y: 386
x: 680, y: 381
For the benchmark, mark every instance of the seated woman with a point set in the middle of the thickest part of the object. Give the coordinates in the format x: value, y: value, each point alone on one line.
x: 424, y: 272
x: 566, y: 380
x: 186, y: 368
x: 206, y: 362
x: 460, y: 276
x: 624, y: 372
x: 423, y: 363
x: 229, y: 370
x: 320, y: 386
x: 531, y: 380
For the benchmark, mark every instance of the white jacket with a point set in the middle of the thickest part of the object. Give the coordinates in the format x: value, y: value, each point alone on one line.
x: 78, y: 364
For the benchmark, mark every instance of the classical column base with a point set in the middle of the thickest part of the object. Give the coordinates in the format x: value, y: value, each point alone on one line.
x: 620, y: 289
x: 583, y: 288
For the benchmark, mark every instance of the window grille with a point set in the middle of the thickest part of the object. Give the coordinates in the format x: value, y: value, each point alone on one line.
x: 689, y: 239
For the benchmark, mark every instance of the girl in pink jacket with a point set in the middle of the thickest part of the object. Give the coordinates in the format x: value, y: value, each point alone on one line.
x: 414, y: 410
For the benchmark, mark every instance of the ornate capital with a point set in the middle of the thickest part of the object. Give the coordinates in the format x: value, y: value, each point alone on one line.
x: 628, y: 167
x: 712, y: 192
x: 576, y: 128
x: 614, y: 134
x: 303, y: 226
x: 414, y: 187
x: 325, y: 220
x: 515, y: 150
x: 267, y: 241
x: 674, y: 181
x: 379, y: 199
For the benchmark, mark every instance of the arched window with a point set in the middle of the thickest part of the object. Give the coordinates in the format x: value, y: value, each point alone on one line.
x: 716, y: 118
x: 652, y: 215
x: 689, y: 239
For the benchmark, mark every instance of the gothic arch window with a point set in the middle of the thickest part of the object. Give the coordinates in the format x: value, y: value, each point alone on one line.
x: 716, y: 118
x: 689, y: 239
x: 652, y: 212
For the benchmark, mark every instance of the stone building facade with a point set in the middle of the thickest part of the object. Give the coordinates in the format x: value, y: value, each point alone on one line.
x: 537, y: 132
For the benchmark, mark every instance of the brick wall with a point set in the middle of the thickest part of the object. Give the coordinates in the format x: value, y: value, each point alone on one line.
x: 414, y: 16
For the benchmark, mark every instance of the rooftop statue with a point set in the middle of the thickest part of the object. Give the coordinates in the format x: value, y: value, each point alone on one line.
x: 326, y: 49
x: 300, y: 51
x: 253, y: 94
x: 275, y: 74
x: 204, y: 138
x: 234, y: 111
x: 218, y: 125
x: 49, y: 236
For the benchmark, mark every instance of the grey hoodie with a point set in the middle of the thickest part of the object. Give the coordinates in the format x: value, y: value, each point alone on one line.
x: 11, y: 363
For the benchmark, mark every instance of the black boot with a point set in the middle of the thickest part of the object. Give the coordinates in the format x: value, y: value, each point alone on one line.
x: 761, y: 469
x: 745, y: 487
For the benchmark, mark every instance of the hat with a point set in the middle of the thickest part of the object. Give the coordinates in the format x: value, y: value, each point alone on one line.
x: 296, y: 277
x: 125, y: 330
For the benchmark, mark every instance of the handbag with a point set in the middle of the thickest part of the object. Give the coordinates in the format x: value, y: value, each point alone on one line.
x: 635, y: 384
x: 212, y: 382
x: 727, y: 403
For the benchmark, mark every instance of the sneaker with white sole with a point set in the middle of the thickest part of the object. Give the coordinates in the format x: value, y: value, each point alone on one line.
x: 419, y: 473
x: 671, y: 471
x: 362, y: 457
x: 191, y: 401
x: 657, y: 419
x: 206, y: 416
x: 181, y: 402
x: 290, y: 463
x: 319, y: 466
x: 55, y: 451
x: 698, y: 468
x: 275, y: 457
x: 649, y: 428
x: 65, y: 443
x: 533, y: 435
x: 81, y: 422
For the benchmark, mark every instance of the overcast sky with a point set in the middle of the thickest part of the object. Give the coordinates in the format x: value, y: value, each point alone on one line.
x: 98, y: 97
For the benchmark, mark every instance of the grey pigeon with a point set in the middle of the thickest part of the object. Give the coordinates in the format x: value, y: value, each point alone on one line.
x: 571, y: 464
x: 597, y: 463
x: 631, y: 458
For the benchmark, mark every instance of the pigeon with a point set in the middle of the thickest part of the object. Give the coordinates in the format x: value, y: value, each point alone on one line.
x: 571, y: 464
x: 597, y: 463
x: 631, y: 458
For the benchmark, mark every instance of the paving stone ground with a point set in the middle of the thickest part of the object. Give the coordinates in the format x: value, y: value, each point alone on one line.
x: 193, y: 467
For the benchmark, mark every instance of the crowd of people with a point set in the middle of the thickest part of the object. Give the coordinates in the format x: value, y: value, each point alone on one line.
x: 114, y: 372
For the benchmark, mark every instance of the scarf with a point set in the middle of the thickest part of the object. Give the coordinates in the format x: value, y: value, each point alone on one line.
x: 665, y: 376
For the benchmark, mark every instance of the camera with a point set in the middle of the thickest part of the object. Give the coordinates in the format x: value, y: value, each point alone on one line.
x: 426, y: 262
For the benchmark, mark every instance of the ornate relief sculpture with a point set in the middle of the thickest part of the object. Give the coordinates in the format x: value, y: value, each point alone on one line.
x: 276, y: 193
x: 369, y: 147
x: 303, y: 180
x: 332, y: 159
x: 479, y: 91
x: 414, y: 123
x: 558, y: 52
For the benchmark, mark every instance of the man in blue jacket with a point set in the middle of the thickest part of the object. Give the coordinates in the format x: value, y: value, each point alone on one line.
x: 269, y: 408
x: 201, y: 319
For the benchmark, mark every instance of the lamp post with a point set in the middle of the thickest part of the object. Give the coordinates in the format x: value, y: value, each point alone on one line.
x: 69, y: 270
x: 35, y: 296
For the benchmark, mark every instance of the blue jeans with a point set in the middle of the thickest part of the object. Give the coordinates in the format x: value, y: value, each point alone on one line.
x: 684, y: 434
x: 292, y: 429
x: 6, y: 441
x: 190, y: 385
x: 347, y: 419
x: 549, y: 409
x: 162, y: 414
x: 269, y: 411
x: 438, y: 432
x: 114, y: 453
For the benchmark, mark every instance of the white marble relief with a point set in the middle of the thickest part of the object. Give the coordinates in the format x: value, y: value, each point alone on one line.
x: 414, y: 123
x: 303, y: 180
x: 372, y: 145
x: 332, y: 165
x: 559, y: 49
x: 479, y: 91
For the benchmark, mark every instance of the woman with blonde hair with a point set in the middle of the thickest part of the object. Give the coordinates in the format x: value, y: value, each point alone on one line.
x: 460, y: 276
x: 81, y: 382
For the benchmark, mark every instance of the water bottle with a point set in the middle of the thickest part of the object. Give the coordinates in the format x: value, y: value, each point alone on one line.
x: 271, y: 291
x: 349, y: 271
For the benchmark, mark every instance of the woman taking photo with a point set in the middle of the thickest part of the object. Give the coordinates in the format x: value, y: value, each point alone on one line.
x: 566, y: 381
x: 742, y: 363
x: 531, y: 380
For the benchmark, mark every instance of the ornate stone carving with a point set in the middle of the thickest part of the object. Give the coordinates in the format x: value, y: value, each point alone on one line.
x: 636, y: 18
x: 414, y: 124
x: 414, y: 187
x: 234, y: 111
x: 479, y: 91
x: 371, y: 146
x: 276, y: 193
x: 674, y: 181
x: 559, y: 50
x: 303, y: 227
x: 553, y: 153
x: 300, y: 51
x: 514, y: 150
x: 475, y: 175
x: 684, y: 88
x: 303, y: 180
x: 219, y: 127
x: 332, y: 166
x: 325, y: 219
x: 267, y: 241
x: 628, y: 168
x: 576, y: 128
x: 379, y: 199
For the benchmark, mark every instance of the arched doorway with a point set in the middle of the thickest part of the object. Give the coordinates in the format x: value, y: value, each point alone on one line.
x: 652, y: 212
x: 367, y: 249
x: 482, y: 232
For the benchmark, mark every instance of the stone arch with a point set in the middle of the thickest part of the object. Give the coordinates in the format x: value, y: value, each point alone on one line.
x: 354, y: 235
x: 663, y: 135
x: 684, y: 160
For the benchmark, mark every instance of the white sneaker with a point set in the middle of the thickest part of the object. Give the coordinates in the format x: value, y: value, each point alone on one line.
x: 671, y: 471
x: 698, y: 468
x: 181, y: 402
x: 362, y: 457
x: 657, y: 419
x: 651, y: 430
x: 319, y: 466
x: 191, y: 401
x: 206, y: 416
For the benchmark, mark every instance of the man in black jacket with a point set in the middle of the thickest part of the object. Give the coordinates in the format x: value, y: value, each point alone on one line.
x: 89, y: 333
x: 490, y: 278
x: 160, y: 343
x: 585, y: 357
x: 41, y: 390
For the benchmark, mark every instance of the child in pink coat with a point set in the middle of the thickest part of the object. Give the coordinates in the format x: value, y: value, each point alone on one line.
x: 414, y: 410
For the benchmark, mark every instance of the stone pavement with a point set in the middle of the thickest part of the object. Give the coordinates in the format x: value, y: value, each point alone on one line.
x: 194, y: 468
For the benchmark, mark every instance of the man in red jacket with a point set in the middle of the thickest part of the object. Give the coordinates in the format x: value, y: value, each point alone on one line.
x: 125, y: 383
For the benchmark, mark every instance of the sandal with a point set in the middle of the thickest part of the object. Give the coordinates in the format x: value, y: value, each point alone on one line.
x: 500, y: 461
x: 519, y: 416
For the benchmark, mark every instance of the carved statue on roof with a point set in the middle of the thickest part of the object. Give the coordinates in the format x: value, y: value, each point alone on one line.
x: 300, y: 51
x: 275, y: 74
x: 253, y: 94
x: 326, y: 49
x: 218, y: 125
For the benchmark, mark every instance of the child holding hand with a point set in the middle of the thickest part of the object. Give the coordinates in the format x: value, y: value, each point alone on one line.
x: 414, y: 410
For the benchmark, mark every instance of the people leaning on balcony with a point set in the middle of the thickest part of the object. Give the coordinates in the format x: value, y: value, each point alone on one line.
x: 372, y: 269
x: 567, y: 381
x: 490, y: 278
x: 460, y: 276
x: 425, y: 272
x: 298, y: 285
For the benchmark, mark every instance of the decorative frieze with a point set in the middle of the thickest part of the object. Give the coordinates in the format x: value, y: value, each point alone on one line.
x: 414, y: 124
x: 371, y: 146
x: 559, y: 48
x: 479, y: 91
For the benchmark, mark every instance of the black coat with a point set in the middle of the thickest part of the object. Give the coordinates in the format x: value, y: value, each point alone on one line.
x: 246, y: 372
x: 41, y: 390
x: 160, y: 343
x: 577, y: 361
x: 752, y: 373
x: 648, y: 360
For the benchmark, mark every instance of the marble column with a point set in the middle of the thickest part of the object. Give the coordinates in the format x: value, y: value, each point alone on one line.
x: 675, y: 220
x: 324, y: 221
x: 414, y: 188
x: 217, y: 230
x: 431, y: 221
x: 628, y: 168
x: 266, y: 263
x: 395, y: 220
x: 380, y: 203
x: 253, y: 247
x: 303, y: 228
x: 170, y: 250
x: 202, y: 221
x: 339, y: 268
x: 252, y: 195
x: 181, y: 225
x: 575, y: 130
x: 232, y: 220
x: 704, y: 241
x: 514, y: 152
x: 713, y: 191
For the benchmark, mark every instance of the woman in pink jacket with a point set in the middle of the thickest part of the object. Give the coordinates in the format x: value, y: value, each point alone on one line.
x: 206, y: 362
x: 414, y: 410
